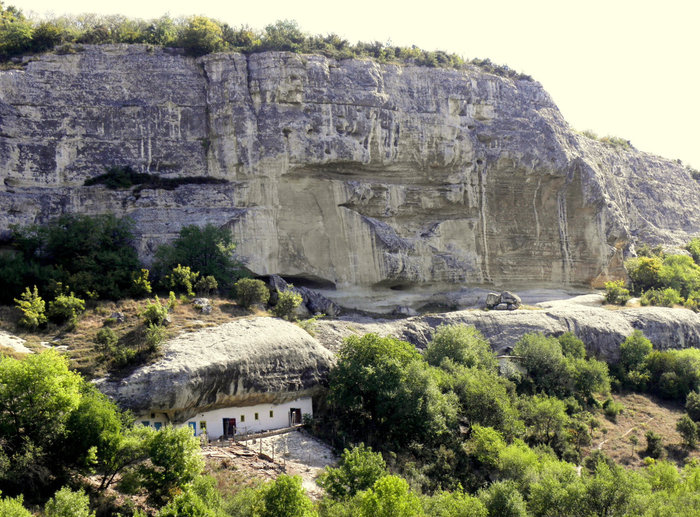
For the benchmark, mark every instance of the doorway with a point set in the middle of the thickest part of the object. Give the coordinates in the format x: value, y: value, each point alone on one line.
x: 294, y: 416
x: 229, y: 427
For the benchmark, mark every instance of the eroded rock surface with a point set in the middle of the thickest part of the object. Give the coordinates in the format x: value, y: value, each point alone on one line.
x: 348, y: 173
x: 601, y: 329
x: 244, y: 362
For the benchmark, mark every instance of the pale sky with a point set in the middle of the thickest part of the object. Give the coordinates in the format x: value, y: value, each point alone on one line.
x: 619, y: 67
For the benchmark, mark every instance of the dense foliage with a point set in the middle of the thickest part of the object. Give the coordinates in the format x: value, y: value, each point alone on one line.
x: 205, y: 251
x: 666, y: 280
x: 200, y: 35
x: 91, y: 255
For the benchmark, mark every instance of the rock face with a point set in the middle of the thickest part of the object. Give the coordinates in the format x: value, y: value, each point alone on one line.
x: 602, y: 330
x: 241, y: 363
x: 347, y: 174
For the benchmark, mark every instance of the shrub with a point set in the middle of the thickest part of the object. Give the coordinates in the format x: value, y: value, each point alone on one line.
x: 572, y: 346
x: 33, y: 309
x: 205, y: 285
x: 664, y: 298
x: 287, y: 302
x: 251, y: 291
x: 655, y: 446
x: 65, y: 307
x: 153, y: 336
x: 182, y: 279
x: 462, y: 344
x: 694, y: 248
x: 140, y: 285
x: 202, y: 36
x: 693, y: 301
x: 612, y: 409
x: 644, y: 273
x: 688, y: 431
x: 66, y: 503
x: 155, y: 313
x: 357, y: 470
x: 106, y: 337
x: 615, y: 293
x: 692, y: 405
x: 309, y: 324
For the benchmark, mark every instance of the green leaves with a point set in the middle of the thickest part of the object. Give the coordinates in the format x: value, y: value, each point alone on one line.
x: 357, y: 470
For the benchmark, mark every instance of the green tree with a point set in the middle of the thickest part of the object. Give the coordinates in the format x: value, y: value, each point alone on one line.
x: 202, y: 36
x: 390, y: 496
x: 140, y: 286
x: 174, y: 462
x: 462, y: 344
x: 182, y: 279
x: 634, y: 350
x: 357, y: 470
x: 571, y: 346
x: 688, y: 431
x: 694, y: 248
x: 15, y: 32
x: 547, y: 369
x: 692, y: 405
x: 503, y: 499
x: 681, y: 273
x: 155, y: 312
x: 287, y: 302
x: 453, y: 504
x: 65, y: 307
x: 33, y: 309
x: 545, y: 418
x: 208, y: 250
x: 67, y: 503
x: 283, y: 35
x: 13, y: 507
x: 285, y: 497
x: 644, y: 273
x: 251, y: 291
x: 37, y: 397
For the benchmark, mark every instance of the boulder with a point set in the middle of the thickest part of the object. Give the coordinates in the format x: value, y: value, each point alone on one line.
x: 492, y: 299
x: 244, y: 362
x: 512, y: 300
x: 203, y: 305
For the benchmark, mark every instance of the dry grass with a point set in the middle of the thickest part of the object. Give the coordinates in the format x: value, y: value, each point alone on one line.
x: 86, y: 356
x: 641, y: 414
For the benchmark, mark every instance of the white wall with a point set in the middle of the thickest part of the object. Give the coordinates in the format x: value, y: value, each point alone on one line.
x: 247, y: 424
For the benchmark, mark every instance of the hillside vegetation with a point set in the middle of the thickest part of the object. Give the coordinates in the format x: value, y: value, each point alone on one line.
x: 199, y: 35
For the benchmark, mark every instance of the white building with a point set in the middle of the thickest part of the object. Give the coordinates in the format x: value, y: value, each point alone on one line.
x: 227, y: 422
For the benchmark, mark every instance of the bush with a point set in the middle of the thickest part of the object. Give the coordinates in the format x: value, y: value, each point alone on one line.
x: 357, y: 470
x: 251, y: 291
x: 140, y: 285
x: 206, y: 285
x: 67, y: 503
x: 688, y: 431
x: 655, y: 445
x: 202, y: 36
x: 155, y: 313
x: 13, y: 507
x: 572, y: 346
x: 65, y: 307
x: 694, y: 248
x: 692, y: 405
x: 644, y: 273
x: 612, y: 409
x: 107, y: 338
x: 615, y: 293
x: 153, y: 336
x: 33, y: 309
x: 182, y: 279
x: 287, y: 302
x: 462, y: 344
x: 693, y: 301
x: 664, y: 298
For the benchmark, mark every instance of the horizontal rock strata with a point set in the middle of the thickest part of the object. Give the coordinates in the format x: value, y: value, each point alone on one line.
x: 341, y: 173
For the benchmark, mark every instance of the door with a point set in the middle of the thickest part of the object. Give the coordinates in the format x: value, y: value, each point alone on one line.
x: 229, y: 427
x: 294, y: 416
x: 193, y: 425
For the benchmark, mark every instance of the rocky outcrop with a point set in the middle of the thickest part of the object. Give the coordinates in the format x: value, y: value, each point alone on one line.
x: 345, y: 173
x: 241, y: 363
x: 601, y: 329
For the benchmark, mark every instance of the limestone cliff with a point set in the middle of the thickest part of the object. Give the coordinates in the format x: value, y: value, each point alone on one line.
x: 240, y: 363
x: 348, y: 173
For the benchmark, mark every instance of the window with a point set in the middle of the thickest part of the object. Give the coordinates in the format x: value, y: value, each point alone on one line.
x: 242, y: 418
x: 272, y: 414
x: 145, y: 422
x: 203, y: 426
x: 256, y: 416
